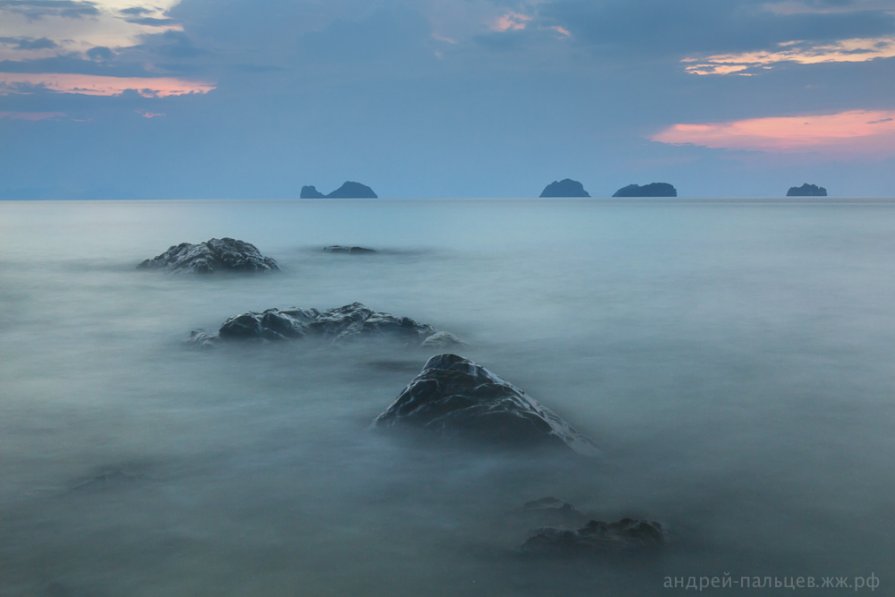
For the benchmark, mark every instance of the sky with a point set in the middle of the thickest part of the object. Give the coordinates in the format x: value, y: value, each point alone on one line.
x: 444, y: 98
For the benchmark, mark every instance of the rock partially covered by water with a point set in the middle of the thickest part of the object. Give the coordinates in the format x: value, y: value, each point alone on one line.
x: 653, y: 189
x: 807, y: 190
x: 337, y: 325
x: 348, y: 250
x: 456, y: 397
x: 565, y: 188
x: 597, y: 537
x: 215, y: 255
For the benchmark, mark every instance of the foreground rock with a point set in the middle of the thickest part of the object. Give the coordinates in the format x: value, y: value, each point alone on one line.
x: 348, y: 190
x: 214, y: 255
x: 653, y: 189
x: 807, y: 190
x: 456, y: 397
x: 348, y: 250
x: 565, y: 188
x: 334, y: 325
x: 596, y: 537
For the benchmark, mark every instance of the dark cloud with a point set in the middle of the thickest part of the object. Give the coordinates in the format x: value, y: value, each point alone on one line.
x: 29, y: 43
x: 151, y: 21
x: 37, y: 9
x: 659, y: 26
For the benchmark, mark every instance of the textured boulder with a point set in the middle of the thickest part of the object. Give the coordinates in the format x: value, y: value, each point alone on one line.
x: 807, y: 190
x: 455, y: 397
x: 215, y: 255
x: 311, y: 192
x: 653, y: 189
x: 334, y: 325
x: 565, y: 188
x: 348, y: 250
x: 596, y: 537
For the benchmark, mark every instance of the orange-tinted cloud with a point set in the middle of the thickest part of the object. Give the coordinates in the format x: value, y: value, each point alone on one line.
x: 854, y: 131
x: 797, y: 52
x: 511, y: 21
x: 102, y: 85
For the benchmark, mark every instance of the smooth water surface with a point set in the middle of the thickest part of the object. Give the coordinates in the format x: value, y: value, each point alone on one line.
x: 732, y: 359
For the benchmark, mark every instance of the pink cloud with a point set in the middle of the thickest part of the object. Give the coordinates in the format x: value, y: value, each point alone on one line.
x: 853, y: 131
x: 150, y: 115
x: 31, y: 116
x: 562, y: 31
x: 511, y: 21
x: 795, y: 52
x: 100, y: 85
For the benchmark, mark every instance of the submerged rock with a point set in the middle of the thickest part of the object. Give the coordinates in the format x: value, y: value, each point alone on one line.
x: 554, y: 512
x: 337, y: 325
x: 347, y: 249
x: 456, y: 397
x: 596, y: 537
x: 565, y: 188
x: 653, y: 189
x: 214, y: 255
x: 807, y: 190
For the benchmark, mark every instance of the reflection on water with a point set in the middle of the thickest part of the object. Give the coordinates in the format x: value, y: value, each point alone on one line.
x: 731, y: 360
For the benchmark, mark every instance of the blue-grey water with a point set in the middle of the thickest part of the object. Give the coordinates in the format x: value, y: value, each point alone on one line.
x: 732, y: 360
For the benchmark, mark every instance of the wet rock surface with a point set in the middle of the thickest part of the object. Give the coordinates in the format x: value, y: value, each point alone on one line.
x: 596, y: 537
x: 454, y: 396
x: 212, y: 256
x: 338, y: 325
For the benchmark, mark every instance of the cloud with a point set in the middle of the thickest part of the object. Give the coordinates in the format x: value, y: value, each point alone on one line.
x: 39, y: 9
x: 31, y: 116
x: 28, y: 43
x: 795, y: 52
x: 99, y: 85
x: 511, y: 21
x: 855, y: 132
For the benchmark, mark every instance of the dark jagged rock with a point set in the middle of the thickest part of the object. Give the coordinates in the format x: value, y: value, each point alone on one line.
x: 348, y: 250
x: 565, y: 188
x: 311, y: 192
x: 456, y: 397
x: 653, y: 189
x: 596, y: 537
x: 807, y: 190
x: 214, y: 255
x: 334, y: 325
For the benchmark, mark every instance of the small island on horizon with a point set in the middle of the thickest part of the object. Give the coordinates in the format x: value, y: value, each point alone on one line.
x: 807, y: 190
x: 564, y: 188
x: 653, y: 189
x: 348, y: 190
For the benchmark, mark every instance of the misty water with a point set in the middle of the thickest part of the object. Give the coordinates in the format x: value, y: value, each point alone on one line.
x: 731, y: 359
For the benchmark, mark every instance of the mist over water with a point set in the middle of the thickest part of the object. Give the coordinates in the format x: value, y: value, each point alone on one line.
x: 731, y: 359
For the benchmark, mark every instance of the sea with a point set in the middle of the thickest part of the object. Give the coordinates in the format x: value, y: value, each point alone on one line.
x: 731, y: 359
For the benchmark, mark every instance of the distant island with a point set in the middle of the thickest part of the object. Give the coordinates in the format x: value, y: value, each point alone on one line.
x: 565, y: 188
x: 348, y: 190
x: 653, y: 189
x: 807, y: 190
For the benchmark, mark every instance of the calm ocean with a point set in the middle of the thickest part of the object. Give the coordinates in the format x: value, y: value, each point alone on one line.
x: 732, y: 360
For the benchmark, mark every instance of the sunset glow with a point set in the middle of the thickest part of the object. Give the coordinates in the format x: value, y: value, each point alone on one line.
x: 858, y: 131
x: 796, y: 52
x: 158, y: 87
